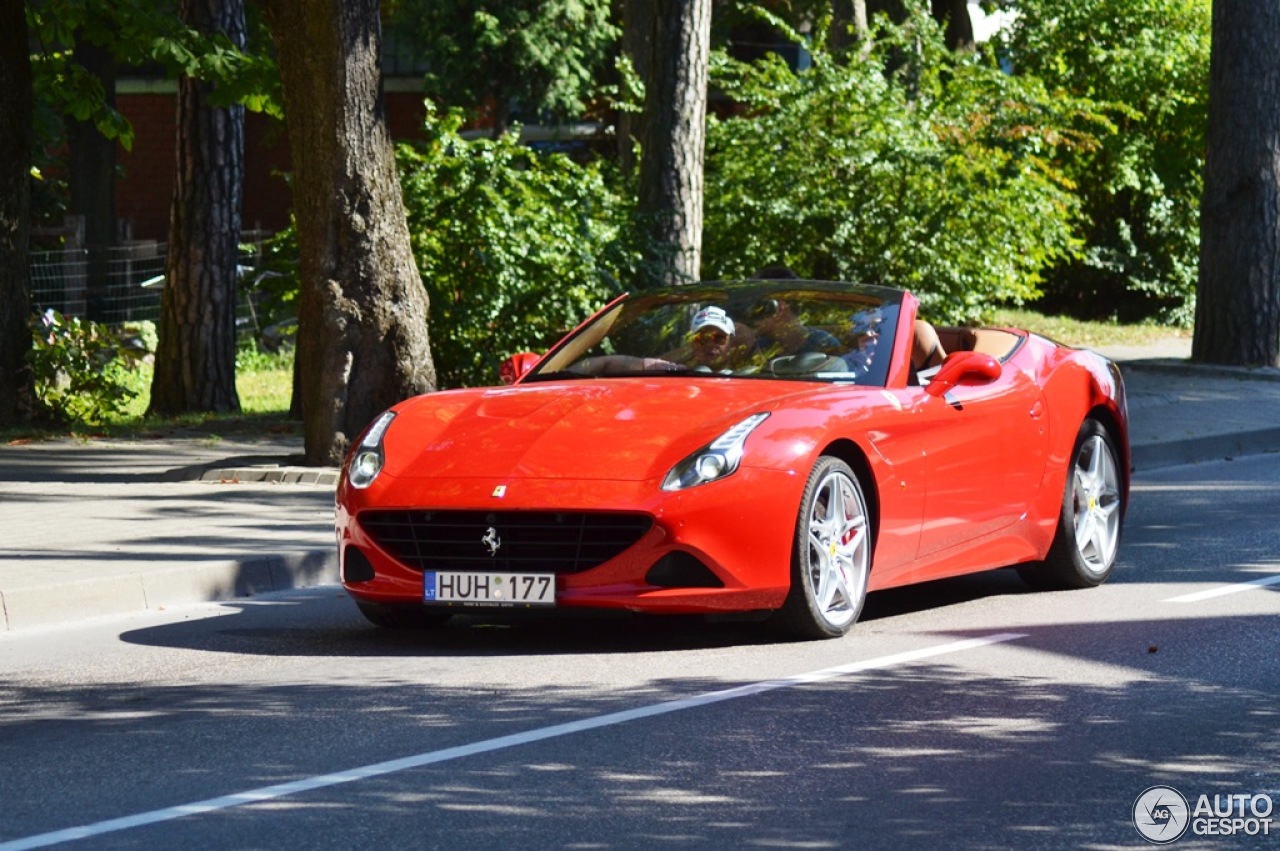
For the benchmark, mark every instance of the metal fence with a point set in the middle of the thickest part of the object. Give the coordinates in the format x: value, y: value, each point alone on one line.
x: 130, y: 279
x: 121, y: 284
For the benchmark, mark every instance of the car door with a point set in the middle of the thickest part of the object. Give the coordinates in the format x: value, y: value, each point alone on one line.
x: 984, y: 456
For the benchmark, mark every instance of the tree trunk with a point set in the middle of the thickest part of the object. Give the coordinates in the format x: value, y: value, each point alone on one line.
x: 1238, y: 293
x: 954, y: 15
x: 17, y: 397
x: 637, y: 45
x: 92, y: 178
x: 196, y: 356
x: 362, y: 324
x: 675, y: 123
x: 848, y: 24
x: 895, y: 9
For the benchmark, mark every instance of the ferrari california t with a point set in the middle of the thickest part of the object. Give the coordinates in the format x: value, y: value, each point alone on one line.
x: 780, y: 448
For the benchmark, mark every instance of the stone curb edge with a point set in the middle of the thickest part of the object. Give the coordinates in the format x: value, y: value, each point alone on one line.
x: 1196, y: 450
x: 63, y: 603
x: 270, y: 473
x: 1185, y: 367
x: 323, y: 476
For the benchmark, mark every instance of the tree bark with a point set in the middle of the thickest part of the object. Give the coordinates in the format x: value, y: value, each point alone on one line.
x: 637, y: 34
x: 1238, y: 292
x: 954, y: 15
x: 848, y: 24
x: 196, y: 355
x: 674, y: 141
x: 362, y: 324
x: 17, y: 395
x: 92, y: 178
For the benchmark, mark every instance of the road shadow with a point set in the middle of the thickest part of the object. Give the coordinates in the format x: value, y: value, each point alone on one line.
x: 326, y: 623
x: 951, y: 752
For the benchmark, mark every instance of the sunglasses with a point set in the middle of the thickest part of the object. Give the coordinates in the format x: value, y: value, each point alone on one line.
x: 764, y: 308
x: 711, y: 335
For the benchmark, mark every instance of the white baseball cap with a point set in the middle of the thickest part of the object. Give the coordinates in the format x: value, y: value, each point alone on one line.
x: 713, y: 316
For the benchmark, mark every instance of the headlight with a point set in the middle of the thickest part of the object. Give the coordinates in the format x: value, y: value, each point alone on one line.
x: 714, y: 461
x: 366, y: 460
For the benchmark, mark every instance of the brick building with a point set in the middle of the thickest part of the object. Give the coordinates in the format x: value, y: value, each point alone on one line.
x: 144, y: 189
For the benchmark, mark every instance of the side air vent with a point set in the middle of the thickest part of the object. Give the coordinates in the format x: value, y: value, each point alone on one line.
x: 681, y: 570
x: 356, y: 567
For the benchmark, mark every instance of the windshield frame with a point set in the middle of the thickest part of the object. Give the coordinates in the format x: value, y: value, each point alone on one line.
x: 642, y: 334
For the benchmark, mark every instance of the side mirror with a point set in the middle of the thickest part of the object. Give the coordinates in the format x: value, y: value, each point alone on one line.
x: 962, y: 368
x: 515, y: 367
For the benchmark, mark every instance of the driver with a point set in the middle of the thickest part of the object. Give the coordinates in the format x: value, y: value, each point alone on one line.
x: 711, y: 339
x: 708, y: 347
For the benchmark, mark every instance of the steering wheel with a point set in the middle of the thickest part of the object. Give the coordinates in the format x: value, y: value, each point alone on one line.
x: 804, y: 363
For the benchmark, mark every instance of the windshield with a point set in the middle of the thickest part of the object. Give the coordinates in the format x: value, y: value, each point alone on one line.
x: 751, y: 329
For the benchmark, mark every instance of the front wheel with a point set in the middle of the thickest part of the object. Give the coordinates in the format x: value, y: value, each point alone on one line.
x: 1083, y: 553
x: 831, y: 556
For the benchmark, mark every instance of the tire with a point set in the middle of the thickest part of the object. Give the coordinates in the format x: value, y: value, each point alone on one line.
x: 831, y: 555
x: 402, y: 616
x: 1083, y: 553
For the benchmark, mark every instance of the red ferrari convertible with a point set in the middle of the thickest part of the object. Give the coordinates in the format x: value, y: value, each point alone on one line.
x: 775, y: 447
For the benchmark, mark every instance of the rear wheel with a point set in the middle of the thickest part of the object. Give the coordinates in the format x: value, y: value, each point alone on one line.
x: 1084, y: 548
x: 831, y: 556
x: 390, y: 616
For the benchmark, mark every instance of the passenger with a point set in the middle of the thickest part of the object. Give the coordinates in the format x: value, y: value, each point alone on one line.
x: 780, y: 332
x: 927, y: 353
x: 864, y: 335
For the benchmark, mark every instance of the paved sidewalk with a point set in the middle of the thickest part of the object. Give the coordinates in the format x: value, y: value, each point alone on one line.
x: 102, y: 527
x: 1183, y: 413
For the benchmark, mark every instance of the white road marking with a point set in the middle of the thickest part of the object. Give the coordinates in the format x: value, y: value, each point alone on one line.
x: 1223, y: 590
x: 308, y: 784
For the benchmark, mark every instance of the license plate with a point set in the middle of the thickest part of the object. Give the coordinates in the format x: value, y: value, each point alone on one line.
x: 488, y: 589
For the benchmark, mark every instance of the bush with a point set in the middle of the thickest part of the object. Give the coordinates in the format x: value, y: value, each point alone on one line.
x: 514, y: 247
x: 904, y: 164
x: 86, y: 373
x: 1148, y: 60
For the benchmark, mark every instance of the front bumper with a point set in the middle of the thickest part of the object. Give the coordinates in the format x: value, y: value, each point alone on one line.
x: 721, y: 547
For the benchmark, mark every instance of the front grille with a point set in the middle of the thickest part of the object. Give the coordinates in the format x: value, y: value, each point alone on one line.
x: 504, y: 541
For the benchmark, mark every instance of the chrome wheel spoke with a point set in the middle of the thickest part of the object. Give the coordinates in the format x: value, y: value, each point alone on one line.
x: 838, y: 556
x: 1096, y: 502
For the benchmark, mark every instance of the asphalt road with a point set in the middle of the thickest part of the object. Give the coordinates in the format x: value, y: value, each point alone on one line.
x: 971, y: 713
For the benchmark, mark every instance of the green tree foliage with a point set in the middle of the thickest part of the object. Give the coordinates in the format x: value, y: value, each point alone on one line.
x: 136, y: 32
x: 545, y: 54
x: 514, y: 247
x: 86, y: 373
x: 1149, y: 61
x: 939, y: 175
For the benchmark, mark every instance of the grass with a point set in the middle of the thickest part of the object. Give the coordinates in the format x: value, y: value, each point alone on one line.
x: 1077, y: 332
x: 264, y: 383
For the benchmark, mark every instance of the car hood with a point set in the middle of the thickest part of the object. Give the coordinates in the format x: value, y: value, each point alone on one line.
x: 614, y: 429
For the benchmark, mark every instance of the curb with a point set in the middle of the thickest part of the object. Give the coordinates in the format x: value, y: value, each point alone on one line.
x: 1184, y: 367
x: 60, y: 604
x: 1196, y: 450
x: 323, y: 476
x: 254, y: 469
